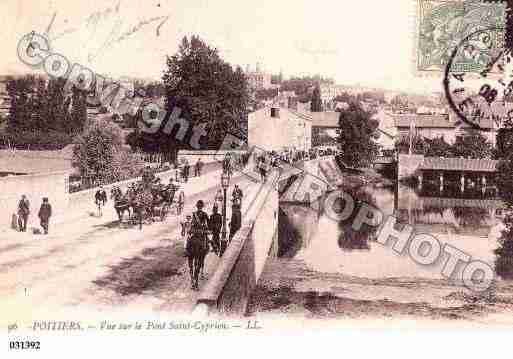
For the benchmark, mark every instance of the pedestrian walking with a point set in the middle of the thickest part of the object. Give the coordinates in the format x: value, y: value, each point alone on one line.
x: 23, y: 213
x: 236, y: 220
x: 237, y: 194
x: 215, y: 223
x: 177, y: 171
x: 198, y: 167
x: 186, y: 170
x: 100, y: 198
x: 263, y: 169
x: 45, y: 212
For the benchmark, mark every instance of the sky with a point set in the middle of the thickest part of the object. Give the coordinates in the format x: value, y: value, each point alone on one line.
x: 366, y: 41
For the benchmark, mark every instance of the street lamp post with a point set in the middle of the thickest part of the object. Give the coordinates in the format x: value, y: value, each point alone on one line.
x: 225, y: 182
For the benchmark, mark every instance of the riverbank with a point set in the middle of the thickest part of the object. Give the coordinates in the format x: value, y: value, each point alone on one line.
x: 325, y: 280
x: 292, y: 289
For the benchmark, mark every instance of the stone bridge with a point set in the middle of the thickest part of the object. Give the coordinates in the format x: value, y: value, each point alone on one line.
x: 228, y: 290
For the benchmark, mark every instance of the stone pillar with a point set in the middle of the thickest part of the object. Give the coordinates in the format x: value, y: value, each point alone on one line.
x: 462, y: 181
x: 441, y: 181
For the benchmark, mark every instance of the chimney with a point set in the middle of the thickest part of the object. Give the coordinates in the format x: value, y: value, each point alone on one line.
x: 275, y: 112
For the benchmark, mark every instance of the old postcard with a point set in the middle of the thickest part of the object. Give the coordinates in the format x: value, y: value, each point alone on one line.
x: 191, y: 167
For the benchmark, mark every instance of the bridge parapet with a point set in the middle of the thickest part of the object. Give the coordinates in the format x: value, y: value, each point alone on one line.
x: 228, y: 290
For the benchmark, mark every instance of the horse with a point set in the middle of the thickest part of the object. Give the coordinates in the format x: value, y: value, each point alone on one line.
x: 197, y: 248
x: 142, y: 201
x: 121, y: 203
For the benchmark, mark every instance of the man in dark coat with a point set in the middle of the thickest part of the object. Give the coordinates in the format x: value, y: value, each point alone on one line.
x: 236, y: 221
x: 100, y: 198
x: 215, y: 223
x: 23, y: 213
x: 198, y: 167
x: 186, y: 168
x: 45, y: 212
x: 237, y: 194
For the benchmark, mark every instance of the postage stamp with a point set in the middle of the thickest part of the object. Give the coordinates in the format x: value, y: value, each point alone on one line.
x: 442, y: 25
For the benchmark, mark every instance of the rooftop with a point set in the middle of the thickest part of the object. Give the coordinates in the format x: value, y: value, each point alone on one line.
x: 459, y: 164
x: 434, y: 121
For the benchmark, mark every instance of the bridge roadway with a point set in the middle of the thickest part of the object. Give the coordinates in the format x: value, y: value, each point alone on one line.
x: 94, y: 264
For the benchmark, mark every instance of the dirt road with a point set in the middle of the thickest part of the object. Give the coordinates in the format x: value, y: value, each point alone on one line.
x: 96, y: 264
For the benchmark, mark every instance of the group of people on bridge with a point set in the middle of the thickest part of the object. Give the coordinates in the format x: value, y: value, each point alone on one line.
x: 199, y: 226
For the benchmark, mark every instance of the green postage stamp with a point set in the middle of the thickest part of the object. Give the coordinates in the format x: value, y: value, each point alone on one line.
x: 441, y: 26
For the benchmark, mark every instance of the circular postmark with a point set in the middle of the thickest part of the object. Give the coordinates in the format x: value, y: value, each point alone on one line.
x: 475, y: 84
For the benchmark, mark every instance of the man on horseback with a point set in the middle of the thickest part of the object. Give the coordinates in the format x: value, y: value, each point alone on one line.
x: 197, y: 243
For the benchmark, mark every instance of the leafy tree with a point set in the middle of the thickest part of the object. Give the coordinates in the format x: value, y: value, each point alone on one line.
x: 504, y: 252
x: 207, y: 88
x: 504, y: 181
x: 99, y: 154
x: 78, y: 116
x: 58, y: 106
x: 356, y: 136
x: 345, y: 97
x: 302, y: 85
x: 504, y: 148
x: 438, y: 147
x: 38, y: 105
x: 20, y: 91
x: 472, y: 145
x: 348, y: 238
x: 419, y: 145
x: 316, y: 105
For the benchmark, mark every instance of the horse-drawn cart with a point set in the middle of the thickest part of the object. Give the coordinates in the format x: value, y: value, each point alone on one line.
x: 147, y: 201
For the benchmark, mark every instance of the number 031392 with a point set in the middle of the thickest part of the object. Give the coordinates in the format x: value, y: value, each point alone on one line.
x: 18, y: 344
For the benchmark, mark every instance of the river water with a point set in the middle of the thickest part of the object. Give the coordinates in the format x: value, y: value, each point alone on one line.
x: 470, y: 223
x: 321, y: 260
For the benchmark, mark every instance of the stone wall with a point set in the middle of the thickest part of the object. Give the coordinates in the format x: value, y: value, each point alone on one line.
x: 206, y: 156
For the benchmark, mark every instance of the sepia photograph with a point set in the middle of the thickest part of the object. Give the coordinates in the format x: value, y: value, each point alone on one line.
x: 192, y: 167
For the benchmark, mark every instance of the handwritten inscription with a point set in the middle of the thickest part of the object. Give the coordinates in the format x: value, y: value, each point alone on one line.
x: 108, y: 21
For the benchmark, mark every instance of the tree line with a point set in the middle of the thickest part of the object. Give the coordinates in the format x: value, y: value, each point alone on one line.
x: 42, y: 114
x: 470, y: 145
